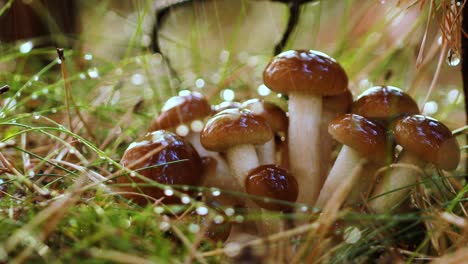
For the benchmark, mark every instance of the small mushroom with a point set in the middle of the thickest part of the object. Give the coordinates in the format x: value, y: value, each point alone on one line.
x: 278, y: 121
x: 306, y: 76
x: 384, y: 103
x: 363, y: 141
x: 163, y: 157
x: 271, y: 182
x: 236, y: 131
x: 424, y: 140
x: 185, y: 115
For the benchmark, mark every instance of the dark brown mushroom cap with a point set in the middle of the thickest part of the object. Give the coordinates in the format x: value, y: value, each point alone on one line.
x: 362, y: 135
x: 233, y: 127
x: 273, y: 182
x: 182, y: 109
x: 339, y: 104
x: 162, y: 157
x: 384, y: 103
x: 273, y: 114
x: 305, y: 71
x: 429, y: 139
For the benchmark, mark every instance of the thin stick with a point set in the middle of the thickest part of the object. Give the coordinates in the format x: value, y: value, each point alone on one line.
x: 66, y: 86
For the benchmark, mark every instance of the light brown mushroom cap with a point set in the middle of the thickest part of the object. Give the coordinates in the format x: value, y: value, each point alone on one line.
x: 182, y: 109
x: 429, y: 139
x: 273, y: 182
x: 233, y: 127
x: 339, y: 104
x: 384, y: 103
x: 273, y: 114
x: 305, y: 71
x: 362, y: 135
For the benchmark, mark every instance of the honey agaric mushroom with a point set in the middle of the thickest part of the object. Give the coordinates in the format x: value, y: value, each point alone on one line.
x: 383, y: 104
x: 306, y: 76
x: 424, y: 140
x: 237, y: 131
x: 278, y: 121
x: 163, y: 157
x: 225, y: 105
x: 333, y: 106
x: 185, y: 115
x: 363, y: 141
x: 271, y: 182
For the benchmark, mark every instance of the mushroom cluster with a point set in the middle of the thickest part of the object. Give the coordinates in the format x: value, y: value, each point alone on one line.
x: 279, y: 157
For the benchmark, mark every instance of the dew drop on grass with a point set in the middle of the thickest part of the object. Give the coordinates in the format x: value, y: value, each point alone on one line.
x: 197, y: 126
x: 263, y: 90
x: 34, y: 96
x: 200, y: 83
x: 194, y: 228
x: 36, y: 78
x: 185, y: 188
x: 219, y: 219
x: 430, y: 108
x: 26, y: 47
x: 159, y: 210
x: 202, y: 210
x: 216, y: 192
x: 53, y: 110
x: 82, y: 76
x: 164, y: 226
x: 36, y: 116
x: 228, y: 95
x: 229, y: 211
x: 185, y: 199
x: 224, y: 56
x: 304, y: 208
x: 132, y: 174
x: 31, y: 173
x: 88, y: 56
x: 93, y: 73
x: 239, y: 219
x: 138, y: 79
x: 352, y: 235
x: 45, y: 91
x: 453, y: 96
x: 182, y: 130
x: 232, y: 249
x: 452, y: 58
x: 168, y: 192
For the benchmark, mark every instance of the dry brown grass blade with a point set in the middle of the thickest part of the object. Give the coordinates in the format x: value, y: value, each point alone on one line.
x: 458, y: 257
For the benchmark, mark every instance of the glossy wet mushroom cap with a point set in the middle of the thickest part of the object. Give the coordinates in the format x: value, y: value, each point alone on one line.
x: 305, y: 71
x: 162, y: 157
x: 362, y: 135
x: 225, y: 105
x: 428, y: 139
x: 182, y: 109
x: 272, y: 182
x: 384, y: 103
x: 233, y: 127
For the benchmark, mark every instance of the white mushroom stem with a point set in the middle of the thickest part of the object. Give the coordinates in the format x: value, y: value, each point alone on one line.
x: 305, y: 113
x: 267, y: 152
x: 326, y: 144
x: 361, y: 192
x: 345, y: 163
x: 392, y: 188
x: 242, y: 159
x: 219, y: 176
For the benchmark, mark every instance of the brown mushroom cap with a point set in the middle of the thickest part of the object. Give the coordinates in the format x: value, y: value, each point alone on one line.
x: 305, y: 71
x: 273, y: 114
x: 384, y: 103
x: 233, y: 127
x: 362, y: 135
x: 182, y: 109
x: 429, y: 139
x: 159, y: 152
x: 273, y: 182
x: 340, y: 103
